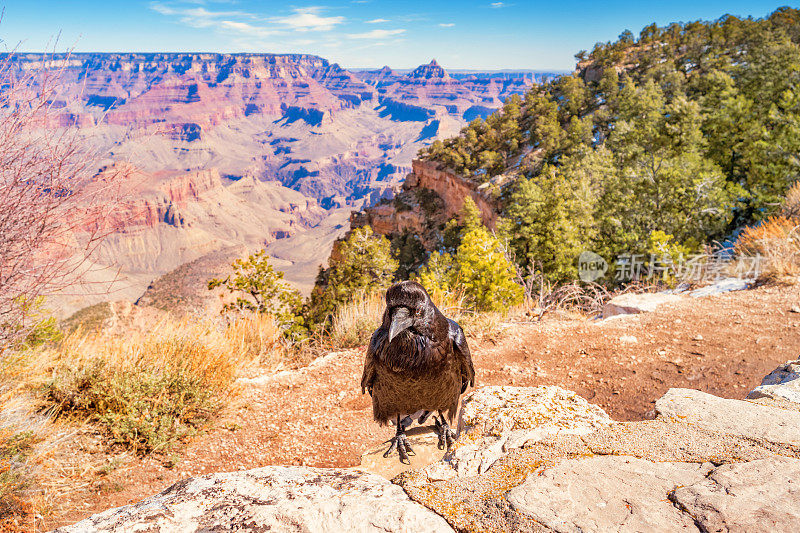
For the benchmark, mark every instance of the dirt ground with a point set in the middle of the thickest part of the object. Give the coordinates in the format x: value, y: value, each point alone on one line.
x: 317, y: 416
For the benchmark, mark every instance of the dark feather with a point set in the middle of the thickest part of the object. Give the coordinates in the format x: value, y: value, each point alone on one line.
x: 425, y: 367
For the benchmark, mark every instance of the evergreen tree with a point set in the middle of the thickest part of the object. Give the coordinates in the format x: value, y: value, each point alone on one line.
x: 259, y: 288
x: 360, y: 264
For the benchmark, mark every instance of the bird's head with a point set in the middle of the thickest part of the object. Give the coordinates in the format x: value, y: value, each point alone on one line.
x: 408, y: 307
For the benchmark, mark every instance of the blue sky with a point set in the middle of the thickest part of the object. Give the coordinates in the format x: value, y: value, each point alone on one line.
x: 355, y: 33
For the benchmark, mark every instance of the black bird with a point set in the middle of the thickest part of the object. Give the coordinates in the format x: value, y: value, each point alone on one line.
x: 417, y: 362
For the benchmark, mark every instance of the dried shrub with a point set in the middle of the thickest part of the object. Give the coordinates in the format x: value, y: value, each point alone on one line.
x: 777, y: 241
x: 147, y: 390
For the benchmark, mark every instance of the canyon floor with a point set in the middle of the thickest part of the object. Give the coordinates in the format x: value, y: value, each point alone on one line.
x: 317, y: 416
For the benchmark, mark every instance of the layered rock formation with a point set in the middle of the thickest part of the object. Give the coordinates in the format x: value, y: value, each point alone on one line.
x: 233, y: 150
x: 430, y: 91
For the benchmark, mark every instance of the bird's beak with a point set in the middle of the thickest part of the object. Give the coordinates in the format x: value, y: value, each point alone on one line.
x: 401, y: 321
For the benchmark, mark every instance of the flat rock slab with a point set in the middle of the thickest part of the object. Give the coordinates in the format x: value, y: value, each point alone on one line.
x: 274, y: 498
x: 734, y: 417
x: 423, y: 440
x: 783, y: 383
x: 607, y: 493
x: 761, y: 495
x: 630, y: 304
x: 664, y: 439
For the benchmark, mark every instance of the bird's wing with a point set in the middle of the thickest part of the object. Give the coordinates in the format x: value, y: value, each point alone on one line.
x: 461, y: 349
x: 369, y: 362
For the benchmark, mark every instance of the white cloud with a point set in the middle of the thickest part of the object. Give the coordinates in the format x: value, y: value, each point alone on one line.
x: 241, y: 23
x: 497, y: 5
x: 245, y: 28
x: 308, y: 19
x: 377, y: 21
x: 198, y: 17
x: 447, y: 24
x: 376, y: 34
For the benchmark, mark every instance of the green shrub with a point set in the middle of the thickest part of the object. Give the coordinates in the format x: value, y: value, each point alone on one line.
x: 259, y: 288
x: 479, y: 269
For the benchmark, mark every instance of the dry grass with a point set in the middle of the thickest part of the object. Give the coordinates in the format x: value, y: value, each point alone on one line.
x: 354, y: 323
x: 259, y: 337
x: 777, y: 242
x: 143, y: 392
x: 26, y: 439
x: 478, y: 326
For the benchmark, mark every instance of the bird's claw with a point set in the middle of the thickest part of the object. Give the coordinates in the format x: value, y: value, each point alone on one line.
x: 400, y: 441
x: 446, y: 435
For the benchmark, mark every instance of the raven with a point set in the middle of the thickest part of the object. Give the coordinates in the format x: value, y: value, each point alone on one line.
x: 417, y: 362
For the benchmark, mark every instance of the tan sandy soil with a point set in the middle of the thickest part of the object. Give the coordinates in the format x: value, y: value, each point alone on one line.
x: 317, y: 416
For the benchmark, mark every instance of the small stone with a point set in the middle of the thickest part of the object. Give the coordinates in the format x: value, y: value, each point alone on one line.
x: 629, y: 339
x: 795, y: 308
x: 697, y: 337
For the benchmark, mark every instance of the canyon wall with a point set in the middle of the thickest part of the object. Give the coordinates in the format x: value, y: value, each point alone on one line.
x: 248, y: 151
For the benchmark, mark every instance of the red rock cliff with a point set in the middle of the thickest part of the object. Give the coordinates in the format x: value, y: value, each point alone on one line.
x: 431, y: 196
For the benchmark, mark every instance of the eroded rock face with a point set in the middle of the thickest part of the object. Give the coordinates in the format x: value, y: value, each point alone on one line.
x: 273, y: 498
x: 782, y: 383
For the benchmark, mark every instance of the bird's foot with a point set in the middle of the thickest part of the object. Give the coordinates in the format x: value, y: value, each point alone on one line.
x: 400, y: 441
x: 446, y: 435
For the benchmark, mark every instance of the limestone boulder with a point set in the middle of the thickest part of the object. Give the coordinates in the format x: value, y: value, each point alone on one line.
x: 720, y: 287
x: 607, y: 493
x: 495, y: 420
x: 274, y: 498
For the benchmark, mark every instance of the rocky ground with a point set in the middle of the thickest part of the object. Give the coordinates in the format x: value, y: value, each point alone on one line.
x: 317, y: 417
x: 528, y: 459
